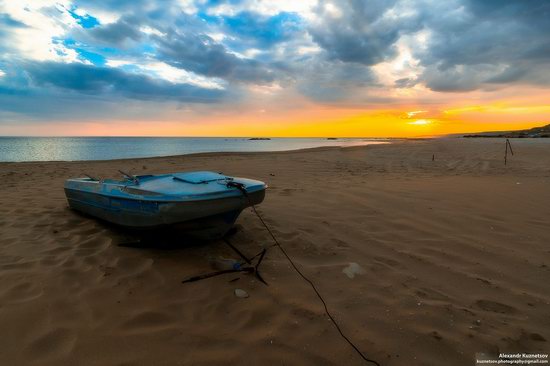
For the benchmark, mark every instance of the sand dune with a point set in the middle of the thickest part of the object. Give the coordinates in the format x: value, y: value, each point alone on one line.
x: 454, y: 253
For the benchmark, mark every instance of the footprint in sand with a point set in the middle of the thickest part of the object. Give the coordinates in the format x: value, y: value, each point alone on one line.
x: 340, y: 243
x: 287, y: 191
x: 387, y: 261
x: 22, y: 292
x: 495, y: 307
x: 537, y: 337
x: 21, y: 265
x: 57, y: 342
x: 430, y: 294
x: 146, y: 322
x: 133, y: 266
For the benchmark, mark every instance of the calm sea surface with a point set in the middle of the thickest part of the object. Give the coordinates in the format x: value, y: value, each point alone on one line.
x: 105, y: 148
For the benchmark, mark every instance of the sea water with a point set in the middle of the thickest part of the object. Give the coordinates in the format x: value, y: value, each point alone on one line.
x: 14, y: 149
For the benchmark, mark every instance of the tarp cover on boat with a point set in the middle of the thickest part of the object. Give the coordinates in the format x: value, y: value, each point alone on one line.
x: 198, y: 177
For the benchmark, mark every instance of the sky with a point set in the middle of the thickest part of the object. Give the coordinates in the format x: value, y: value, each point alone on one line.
x: 338, y: 68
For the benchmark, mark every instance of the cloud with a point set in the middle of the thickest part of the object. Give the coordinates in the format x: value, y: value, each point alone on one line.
x: 106, y: 82
x: 124, y: 30
x: 164, y: 71
x: 362, y: 31
x: 7, y: 26
x: 266, y: 8
x: 335, y: 81
x: 210, y: 51
x: 405, y: 83
x: 32, y: 31
x: 7, y: 21
x: 201, y: 54
x: 119, y: 6
x: 478, y: 43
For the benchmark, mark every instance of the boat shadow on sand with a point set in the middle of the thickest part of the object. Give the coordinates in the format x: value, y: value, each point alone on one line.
x: 170, y: 237
x: 177, y: 239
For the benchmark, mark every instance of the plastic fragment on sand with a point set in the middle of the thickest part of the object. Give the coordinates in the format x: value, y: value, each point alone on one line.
x: 241, y: 293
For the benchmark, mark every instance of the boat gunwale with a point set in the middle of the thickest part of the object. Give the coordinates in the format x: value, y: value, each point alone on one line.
x: 164, y: 198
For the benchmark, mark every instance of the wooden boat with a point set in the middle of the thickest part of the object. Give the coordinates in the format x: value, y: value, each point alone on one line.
x: 204, y: 204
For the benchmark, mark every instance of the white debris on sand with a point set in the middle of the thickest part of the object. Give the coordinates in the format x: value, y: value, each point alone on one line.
x: 241, y: 293
x: 353, y: 269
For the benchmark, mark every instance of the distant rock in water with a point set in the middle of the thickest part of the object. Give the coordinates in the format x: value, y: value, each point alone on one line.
x: 537, y: 132
x: 332, y: 138
x: 258, y: 138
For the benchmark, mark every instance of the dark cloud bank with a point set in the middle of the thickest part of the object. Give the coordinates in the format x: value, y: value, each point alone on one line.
x: 471, y: 44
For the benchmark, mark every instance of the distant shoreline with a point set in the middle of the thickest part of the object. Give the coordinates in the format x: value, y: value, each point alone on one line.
x: 510, y: 136
x: 536, y: 132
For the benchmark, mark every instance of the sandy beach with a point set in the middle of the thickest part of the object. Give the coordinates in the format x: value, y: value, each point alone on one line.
x: 453, y: 258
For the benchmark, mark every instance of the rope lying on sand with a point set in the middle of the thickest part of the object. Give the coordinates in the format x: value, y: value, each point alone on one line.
x: 243, y: 190
x: 254, y: 269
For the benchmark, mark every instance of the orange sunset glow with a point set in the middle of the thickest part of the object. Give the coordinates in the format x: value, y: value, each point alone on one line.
x: 315, y: 122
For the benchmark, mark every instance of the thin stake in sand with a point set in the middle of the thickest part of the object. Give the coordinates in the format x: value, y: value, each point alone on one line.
x: 508, y: 144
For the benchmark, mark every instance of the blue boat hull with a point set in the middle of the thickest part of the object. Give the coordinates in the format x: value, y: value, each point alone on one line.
x: 207, y: 216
